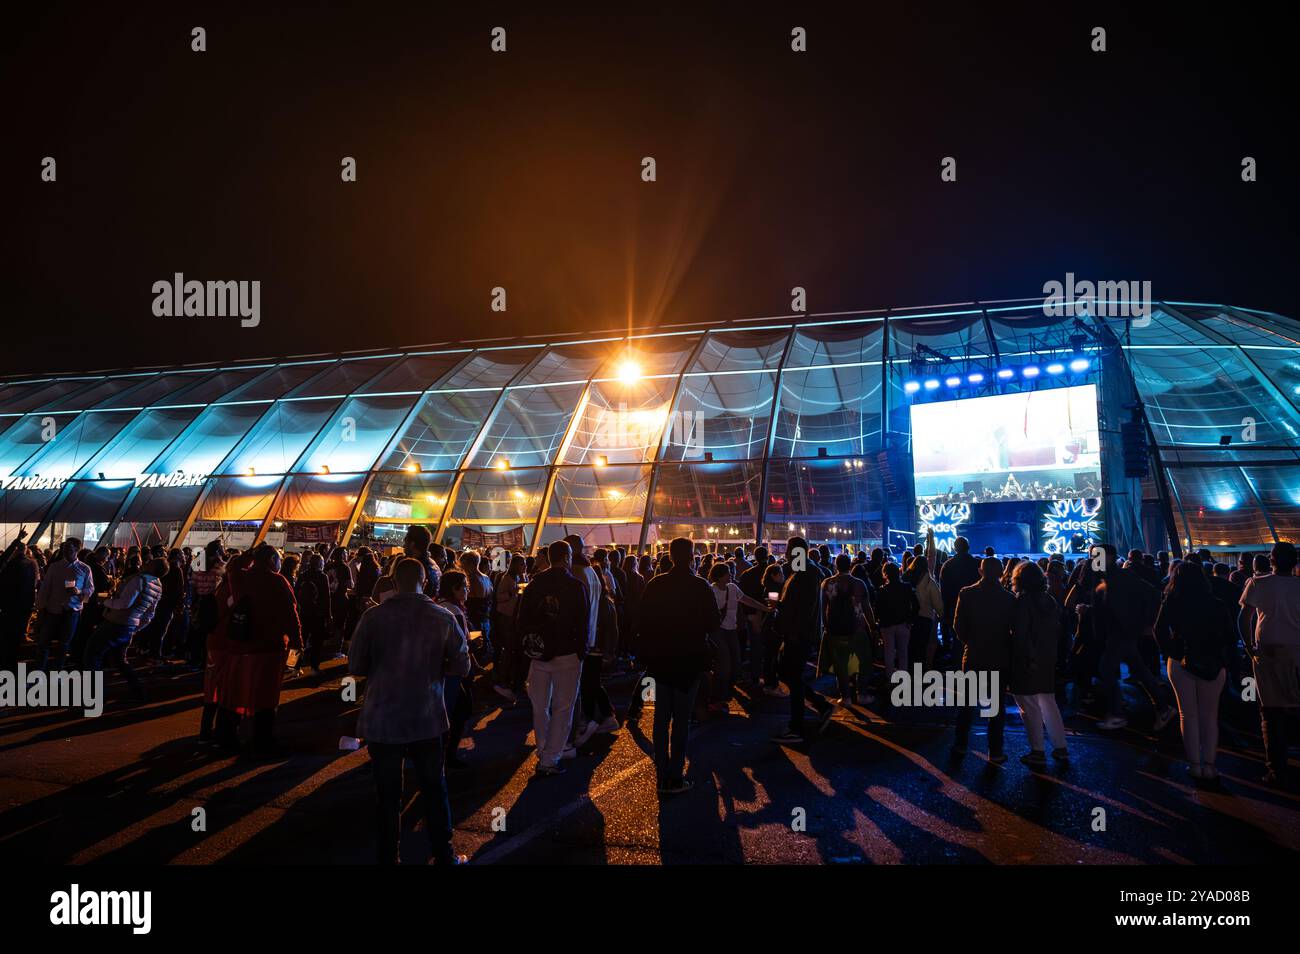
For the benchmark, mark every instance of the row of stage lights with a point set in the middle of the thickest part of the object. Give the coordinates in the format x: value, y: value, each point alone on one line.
x: 1029, y: 372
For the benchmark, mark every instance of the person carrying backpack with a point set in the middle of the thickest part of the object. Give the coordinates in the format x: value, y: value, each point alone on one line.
x: 552, y: 624
x: 849, y: 618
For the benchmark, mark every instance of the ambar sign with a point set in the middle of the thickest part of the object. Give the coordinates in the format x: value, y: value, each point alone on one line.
x: 177, y: 479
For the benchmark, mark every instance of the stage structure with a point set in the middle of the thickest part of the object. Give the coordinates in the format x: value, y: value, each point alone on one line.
x: 1179, y: 427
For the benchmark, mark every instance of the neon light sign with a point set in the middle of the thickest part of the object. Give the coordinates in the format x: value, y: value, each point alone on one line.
x: 945, y: 520
x: 1071, y: 525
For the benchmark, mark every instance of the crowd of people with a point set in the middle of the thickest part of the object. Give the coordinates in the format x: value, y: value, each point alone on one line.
x: 1082, y: 486
x: 430, y: 633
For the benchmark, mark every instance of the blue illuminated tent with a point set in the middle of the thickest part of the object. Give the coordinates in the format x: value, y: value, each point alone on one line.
x: 724, y: 432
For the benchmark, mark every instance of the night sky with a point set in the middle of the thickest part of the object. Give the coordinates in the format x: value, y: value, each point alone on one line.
x: 478, y: 169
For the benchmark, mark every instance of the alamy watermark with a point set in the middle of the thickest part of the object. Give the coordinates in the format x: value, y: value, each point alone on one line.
x: 975, y: 687
x: 1122, y: 299
x: 68, y: 689
x: 179, y: 298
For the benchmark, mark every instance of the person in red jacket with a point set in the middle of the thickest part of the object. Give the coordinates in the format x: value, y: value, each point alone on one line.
x: 247, y: 652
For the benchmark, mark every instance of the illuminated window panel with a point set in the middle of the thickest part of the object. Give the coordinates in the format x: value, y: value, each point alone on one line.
x: 1216, y: 507
x: 576, y: 362
x: 356, y: 435
x: 157, y: 389
x: 648, y: 356
x: 406, y: 498
x: 441, y: 432
x: 825, y: 345
x: 76, y: 443
x: 599, y: 495
x: 212, y: 388
x: 1197, y: 391
x: 274, y: 383
x: 103, y: 391
x: 530, y: 426
x: 342, y: 377
x: 622, y: 421
x: 1278, y: 489
x: 824, y: 500
x: 729, y: 351
x: 722, y: 415
x: 414, y: 373
x: 19, y: 398
x: 129, y: 454
x: 490, y: 368
x: 279, y: 437
x: 689, y: 498
x: 836, y: 408
x: 27, y: 437
x: 499, y: 500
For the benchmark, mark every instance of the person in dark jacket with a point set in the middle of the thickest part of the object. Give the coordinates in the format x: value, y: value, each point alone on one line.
x: 1195, y: 632
x: 367, y: 576
x: 896, y: 608
x: 1124, y: 610
x: 312, y: 591
x: 958, y: 572
x: 552, y: 625
x: 677, y: 614
x: 1035, y: 639
x: 982, y: 622
x: 18, y: 576
x: 799, y: 622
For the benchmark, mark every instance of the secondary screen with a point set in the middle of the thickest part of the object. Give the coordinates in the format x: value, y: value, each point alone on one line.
x: 1034, y: 445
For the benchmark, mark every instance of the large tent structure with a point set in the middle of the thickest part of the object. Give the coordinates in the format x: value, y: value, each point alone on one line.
x: 728, y: 432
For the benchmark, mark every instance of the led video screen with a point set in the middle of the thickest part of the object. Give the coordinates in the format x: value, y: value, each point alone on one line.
x: 1033, y: 445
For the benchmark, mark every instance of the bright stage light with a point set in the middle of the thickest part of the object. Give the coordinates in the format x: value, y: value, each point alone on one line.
x: 1079, y: 364
x: 1029, y: 371
x: 953, y: 382
x: 629, y: 372
x: 932, y: 384
x: 1225, y: 501
x: 975, y: 378
x: 1056, y: 368
x: 1006, y: 373
x: 911, y: 387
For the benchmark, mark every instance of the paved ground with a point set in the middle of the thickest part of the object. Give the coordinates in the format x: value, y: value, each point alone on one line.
x: 122, y: 789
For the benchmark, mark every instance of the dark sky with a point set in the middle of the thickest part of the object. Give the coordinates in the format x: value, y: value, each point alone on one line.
x: 522, y: 169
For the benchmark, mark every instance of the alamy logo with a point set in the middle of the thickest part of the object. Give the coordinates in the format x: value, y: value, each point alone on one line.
x: 930, y: 688
x: 1099, y: 299
x: 75, y: 907
x: 65, y: 689
x: 193, y: 299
